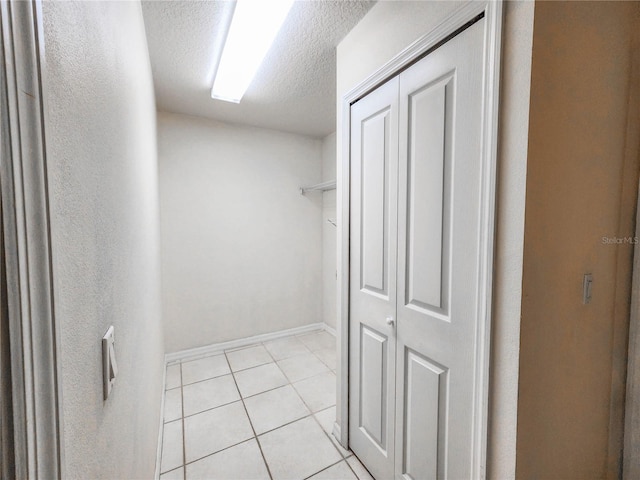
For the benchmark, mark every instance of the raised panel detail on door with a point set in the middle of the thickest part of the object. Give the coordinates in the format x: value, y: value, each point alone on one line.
x: 425, y: 394
x: 429, y: 145
x: 374, y: 197
x: 374, y: 351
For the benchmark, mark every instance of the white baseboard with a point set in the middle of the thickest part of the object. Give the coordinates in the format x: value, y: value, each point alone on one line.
x: 194, y: 353
x: 337, y: 434
x: 329, y: 329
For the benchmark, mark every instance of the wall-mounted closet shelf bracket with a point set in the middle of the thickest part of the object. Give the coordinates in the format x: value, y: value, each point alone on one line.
x: 320, y: 187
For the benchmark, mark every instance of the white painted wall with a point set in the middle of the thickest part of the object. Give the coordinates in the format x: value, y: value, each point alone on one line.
x: 101, y: 158
x: 241, y: 248
x: 329, y: 234
x: 517, y: 41
x: 385, y: 31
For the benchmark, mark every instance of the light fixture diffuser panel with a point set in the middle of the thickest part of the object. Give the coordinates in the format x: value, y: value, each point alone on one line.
x: 254, y: 27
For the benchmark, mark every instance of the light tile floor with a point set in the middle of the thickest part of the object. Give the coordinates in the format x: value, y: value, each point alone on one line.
x: 264, y: 411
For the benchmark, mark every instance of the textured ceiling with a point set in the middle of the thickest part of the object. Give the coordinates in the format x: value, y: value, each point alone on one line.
x: 294, y: 89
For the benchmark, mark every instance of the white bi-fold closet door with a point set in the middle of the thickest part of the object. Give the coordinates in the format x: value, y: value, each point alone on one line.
x: 416, y: 173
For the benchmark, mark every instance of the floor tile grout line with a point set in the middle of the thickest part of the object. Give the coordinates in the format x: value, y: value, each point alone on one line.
x: 342, y: 457
x: 254, y: 366
x: 162, y: 438
x: 171, y: 421
x: 290, y: 357
x: 206, y: 379
x: 283, y: 372
x: 241, y: 369
x: 247, y: 368
x: 254, y: 345
x: 314, y: 376
x: 361, y: 464
x: 212, y: 408
x: 164, y: 413
x: 191, y: 462
x: 326, y: 408
x: 172, y: 470
x: 314, y: 418
x: 298, y: 393
x: 250, y: 422
x: 285, y: 375
x: 348, y: 454
x: 252, y: 396
x: 295, y: 355
x: 242, y: 399
x: 285, y: 424
x: 321, y: 360
x: 161, y: 448
x: 230, y: 372
x: 223, y: 375
x: 303, y: 401
x: 245, y: 347
x: 267, y: 391
x: 231, y: 350
x: 317, y: 333
x: 264, y: 345
x: 325, y: 363
x: 351, y: 468
x: 311, y: 414
x: 325, y: 468
x: 256, y: 438
x: 327, y: 435
x: 271, y: 356
x: 184, y: 439
x: 300, y: 379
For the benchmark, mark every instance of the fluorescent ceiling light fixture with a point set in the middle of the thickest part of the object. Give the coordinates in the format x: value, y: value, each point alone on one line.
x: 254, y: 26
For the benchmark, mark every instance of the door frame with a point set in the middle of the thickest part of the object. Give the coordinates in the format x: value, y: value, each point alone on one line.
x: 33, y: 332
x: 492, y: 11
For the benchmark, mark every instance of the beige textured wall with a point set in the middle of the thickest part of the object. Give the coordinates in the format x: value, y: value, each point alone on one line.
x: 580, y: 188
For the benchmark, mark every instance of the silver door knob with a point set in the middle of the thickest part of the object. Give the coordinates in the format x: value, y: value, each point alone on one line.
x: 390, y: 321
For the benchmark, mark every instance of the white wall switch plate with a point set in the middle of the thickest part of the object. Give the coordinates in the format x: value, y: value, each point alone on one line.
x: 109, y: 365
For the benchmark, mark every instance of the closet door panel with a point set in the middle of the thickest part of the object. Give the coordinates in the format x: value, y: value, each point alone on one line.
x: 372, y: 289
x: 425, y: 399
x: 374, y: 350
x: 440, y: 174
x: 428, y: 114
x: 374, y: 243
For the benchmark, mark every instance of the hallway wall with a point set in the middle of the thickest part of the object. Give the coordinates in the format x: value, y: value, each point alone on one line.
x: 582, y: 180
x: 102, y: 173
x: 241, y: 247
